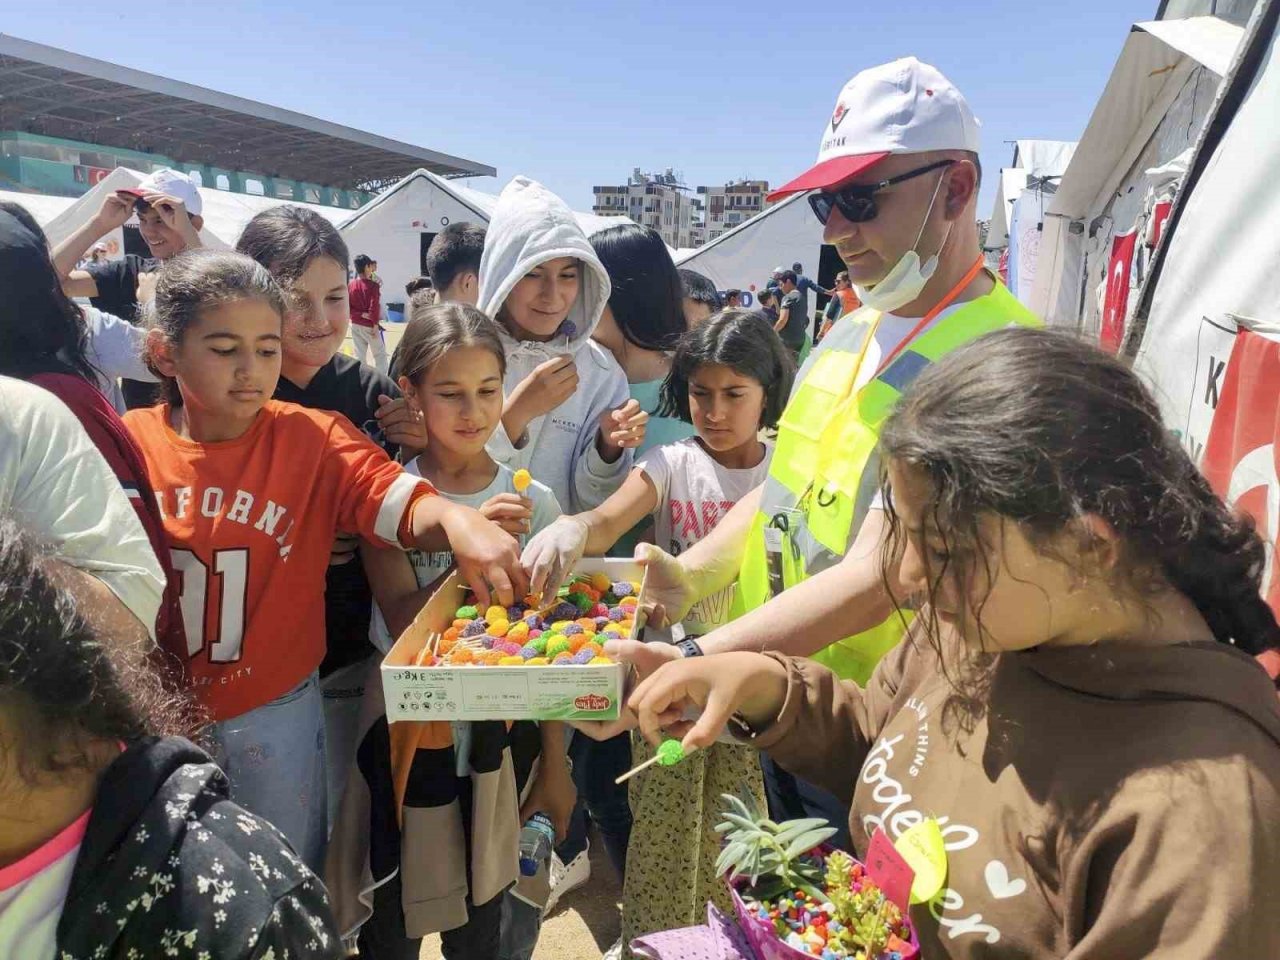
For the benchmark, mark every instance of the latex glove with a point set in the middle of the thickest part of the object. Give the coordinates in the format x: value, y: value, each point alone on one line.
x: 669, y: 590
x: 552, y: 553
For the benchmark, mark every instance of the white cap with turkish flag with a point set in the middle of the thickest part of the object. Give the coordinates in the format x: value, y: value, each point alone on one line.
x: 172, y: 184
x: 901, y: 107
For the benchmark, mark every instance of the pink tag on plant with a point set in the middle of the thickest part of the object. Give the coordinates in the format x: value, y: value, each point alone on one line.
x: 889, y: 870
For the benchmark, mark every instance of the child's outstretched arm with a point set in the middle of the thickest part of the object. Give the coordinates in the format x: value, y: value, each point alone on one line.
x: 488, y: 557
x: 595, y: 475
x: 551, y: 555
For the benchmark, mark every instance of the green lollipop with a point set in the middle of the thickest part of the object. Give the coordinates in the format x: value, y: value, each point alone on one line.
x: 668, y: 754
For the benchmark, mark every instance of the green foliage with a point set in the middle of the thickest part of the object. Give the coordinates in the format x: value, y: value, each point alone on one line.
x: 770, y: 855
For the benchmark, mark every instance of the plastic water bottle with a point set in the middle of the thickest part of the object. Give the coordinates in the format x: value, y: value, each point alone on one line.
x: 537, y: 837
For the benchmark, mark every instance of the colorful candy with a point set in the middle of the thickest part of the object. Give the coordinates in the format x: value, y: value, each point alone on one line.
x: 521, y: 480
x: 590, y: 611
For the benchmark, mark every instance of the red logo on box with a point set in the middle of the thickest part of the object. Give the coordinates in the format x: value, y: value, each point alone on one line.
x: 592, y: 701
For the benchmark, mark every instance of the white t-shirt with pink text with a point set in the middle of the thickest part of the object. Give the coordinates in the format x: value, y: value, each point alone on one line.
x: 694, y: 494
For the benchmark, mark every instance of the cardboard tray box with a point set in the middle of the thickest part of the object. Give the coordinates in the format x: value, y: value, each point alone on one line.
x: 500, y: 693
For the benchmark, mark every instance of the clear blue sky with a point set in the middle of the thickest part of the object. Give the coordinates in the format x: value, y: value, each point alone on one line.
x: 578, y: 92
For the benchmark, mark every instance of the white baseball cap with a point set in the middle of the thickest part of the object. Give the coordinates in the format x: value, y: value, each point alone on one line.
x: 901, y: 107
x: 172, y: 184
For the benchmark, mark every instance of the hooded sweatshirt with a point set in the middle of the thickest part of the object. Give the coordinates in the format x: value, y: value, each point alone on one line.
x: 169, y: 866
x: 1110, y: 802
x: 531, y: 225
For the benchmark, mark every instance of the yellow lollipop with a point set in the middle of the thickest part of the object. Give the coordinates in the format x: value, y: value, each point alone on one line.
x: 521, y: 480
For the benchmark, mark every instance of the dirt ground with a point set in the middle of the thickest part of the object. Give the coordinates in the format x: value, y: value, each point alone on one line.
x: 586, y: 922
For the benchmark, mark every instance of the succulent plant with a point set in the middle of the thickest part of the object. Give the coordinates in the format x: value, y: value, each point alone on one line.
x: 771, y: 856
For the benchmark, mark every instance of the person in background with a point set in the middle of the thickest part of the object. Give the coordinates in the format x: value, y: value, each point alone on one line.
x: 416, y: 284
x: 1077, y: 701
x: 98, y: 252
x: 568, y: 416
x: 700, y: 297
x: 168, y: 206
x: 793, y: 320
x: 453, y: 267
x: 113, y: 347
x: 44, y: 340
x: 768, y: 303
x: 643, y: 320
x: 732, y: 299
x: 775, y: 280
x: 729, y: 379
x: 118, y: 839
x: 843, y: 301
x: 365, y: 303
x: 307, y: 256
x: 456, y: 863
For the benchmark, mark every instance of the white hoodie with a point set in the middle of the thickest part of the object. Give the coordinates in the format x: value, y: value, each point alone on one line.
x: 531, y: 225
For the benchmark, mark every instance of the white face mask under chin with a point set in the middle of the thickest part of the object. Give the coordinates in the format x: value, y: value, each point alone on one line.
x: 907, y: 280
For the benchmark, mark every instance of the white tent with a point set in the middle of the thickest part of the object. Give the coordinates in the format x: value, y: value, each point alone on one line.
x: 225, y: 214
x: 1154, y: 105
x: 1206, y: 327
x: 396, y: 226
x: 745, y: 257
x: 1031, y: 158
x: 41, y: 206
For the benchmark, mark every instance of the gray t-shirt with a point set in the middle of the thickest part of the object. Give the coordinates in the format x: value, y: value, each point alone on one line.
x: 797, y: 319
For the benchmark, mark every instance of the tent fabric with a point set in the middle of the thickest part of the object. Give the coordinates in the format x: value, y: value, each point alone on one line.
x: 1013, y: 180
x: 41, y: 206
x: 1043, y: 158
x: 1151, y: 109
x: 1215, y: 274
x: 745, y: 256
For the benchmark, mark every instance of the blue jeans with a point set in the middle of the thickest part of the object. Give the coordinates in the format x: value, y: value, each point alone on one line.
x: 596, y: 764
x: 791, y: 798
x: 274, y: 757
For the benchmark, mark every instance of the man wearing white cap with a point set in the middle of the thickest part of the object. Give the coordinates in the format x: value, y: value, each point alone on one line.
x: 168, y: 206
x: 896, y: 185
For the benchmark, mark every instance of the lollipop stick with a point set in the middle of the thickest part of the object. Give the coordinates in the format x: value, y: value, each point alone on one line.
x: 636, y: 769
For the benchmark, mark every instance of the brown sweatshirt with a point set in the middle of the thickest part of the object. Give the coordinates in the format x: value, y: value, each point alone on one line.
x: 1111, y: 802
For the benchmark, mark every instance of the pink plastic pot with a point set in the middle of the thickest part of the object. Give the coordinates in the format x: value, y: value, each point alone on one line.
x: 768, y: 946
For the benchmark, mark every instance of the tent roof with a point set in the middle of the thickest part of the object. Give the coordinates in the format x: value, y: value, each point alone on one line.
x: 1157, y: 58
x: 479, y: 202
x: 1013, y: 180
x: 1043, y: 158
x: 225, y: 214
x: 755, y: 221
x: 43, y: 207
x: 62, y: 94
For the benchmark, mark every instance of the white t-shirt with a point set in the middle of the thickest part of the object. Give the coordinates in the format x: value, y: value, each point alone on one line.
x: 32, y: 894
x: 694, y: 494
x: 429, y: 566
x: 116, y: 349
x: 55, y: 484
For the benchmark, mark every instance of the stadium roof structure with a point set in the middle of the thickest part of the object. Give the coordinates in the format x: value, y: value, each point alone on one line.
x: 57, y: 93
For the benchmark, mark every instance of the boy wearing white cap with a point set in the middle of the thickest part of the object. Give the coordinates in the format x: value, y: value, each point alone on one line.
x: 896, y: 185
x: 168, y: 206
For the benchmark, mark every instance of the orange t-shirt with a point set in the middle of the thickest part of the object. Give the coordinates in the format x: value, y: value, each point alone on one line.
x: 250, y: 524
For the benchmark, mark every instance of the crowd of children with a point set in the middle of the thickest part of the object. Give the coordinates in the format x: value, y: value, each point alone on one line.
x: 293, y: 508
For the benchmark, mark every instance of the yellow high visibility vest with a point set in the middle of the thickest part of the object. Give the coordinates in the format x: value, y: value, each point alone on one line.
x: 819, y: 486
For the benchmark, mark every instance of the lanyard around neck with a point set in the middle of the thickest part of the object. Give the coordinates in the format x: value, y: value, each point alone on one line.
x: 927, y: 319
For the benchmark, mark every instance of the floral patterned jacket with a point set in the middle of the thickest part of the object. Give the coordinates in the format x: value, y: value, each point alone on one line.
x: 170, y: 867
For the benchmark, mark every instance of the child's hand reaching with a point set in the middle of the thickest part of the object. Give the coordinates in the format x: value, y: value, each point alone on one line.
x: 402, y: 424
x: 621, y: 429
x: 510, y: 511
x: 551, y: 384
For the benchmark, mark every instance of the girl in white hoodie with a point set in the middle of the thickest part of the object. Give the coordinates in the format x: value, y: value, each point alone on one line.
x: 567, y: 417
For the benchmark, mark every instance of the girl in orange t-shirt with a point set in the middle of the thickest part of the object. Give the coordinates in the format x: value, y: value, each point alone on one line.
x: 252, y: 492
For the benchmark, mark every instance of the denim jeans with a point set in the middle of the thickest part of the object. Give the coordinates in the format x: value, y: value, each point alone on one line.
x: 274, y: 757
x: 791, y: 798
x: 596, y: 764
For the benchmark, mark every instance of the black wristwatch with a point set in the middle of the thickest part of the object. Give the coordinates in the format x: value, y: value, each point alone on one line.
x: 688, y: 647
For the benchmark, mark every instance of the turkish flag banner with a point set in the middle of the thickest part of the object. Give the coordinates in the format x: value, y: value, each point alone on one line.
x: 1159, y: 217
x: 1240, y: 455
x: 1116, y: 305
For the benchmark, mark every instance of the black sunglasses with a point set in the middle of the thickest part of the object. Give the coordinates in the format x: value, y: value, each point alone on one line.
x: 858, y: 203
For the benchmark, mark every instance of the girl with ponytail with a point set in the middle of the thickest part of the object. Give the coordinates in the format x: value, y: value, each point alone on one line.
x: 1077, y: 701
